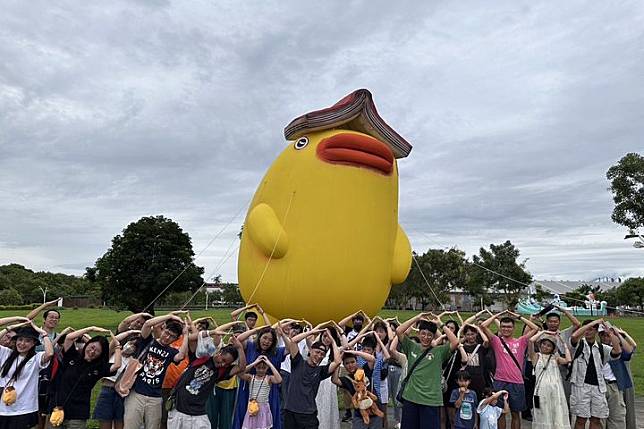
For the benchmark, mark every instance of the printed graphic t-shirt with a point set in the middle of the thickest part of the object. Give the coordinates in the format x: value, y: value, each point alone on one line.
x: 196, y: 384
x: 155, y: 363
x: 467, y: 411
x: 506, y: 369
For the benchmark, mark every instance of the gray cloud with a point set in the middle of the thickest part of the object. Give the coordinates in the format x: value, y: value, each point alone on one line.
x: 110, y: 112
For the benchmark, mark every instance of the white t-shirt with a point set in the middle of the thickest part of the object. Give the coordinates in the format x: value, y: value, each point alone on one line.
x: 488, y: 416
x: 26, y: 385
x: 124, y: 362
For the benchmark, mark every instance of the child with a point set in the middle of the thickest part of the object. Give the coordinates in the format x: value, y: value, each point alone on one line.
x: 258, y: 414
x: 464, y: 401
x: 350, y: 362
x: 488, y: 410
x: 550, y: 409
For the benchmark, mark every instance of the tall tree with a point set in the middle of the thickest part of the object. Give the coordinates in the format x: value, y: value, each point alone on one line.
x: 441, y: 272
x: 512, y: 275
x: 627, y: 185
x: 149, y: 255
x: 631, y: 292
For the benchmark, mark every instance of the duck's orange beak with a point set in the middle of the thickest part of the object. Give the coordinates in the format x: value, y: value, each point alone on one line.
x: 357, y: 150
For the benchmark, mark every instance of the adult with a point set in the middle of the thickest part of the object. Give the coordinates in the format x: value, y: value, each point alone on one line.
x: 300, y: 409
x: 553, y: 325
x: 51, y: 319
x: 629, y: 392
x: 221, y: 400
x: 110, y: 406
x: 616, y: 377
x: 473, y: 351
x: 133, y: 322
x: 421, y: 389
x: 551, y: 408
x: 79, y: 373
x: 357, y: 320
x: 588, y: 392
x: 143, y: 404
x: 19, y: 369
x: 250, y: 317
x: 510, y: 360
x: 259, y: 341
x: 326, y: 399
x: 197, y: 382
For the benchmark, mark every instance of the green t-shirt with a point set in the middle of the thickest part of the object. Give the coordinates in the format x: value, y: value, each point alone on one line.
x: 424, y: 386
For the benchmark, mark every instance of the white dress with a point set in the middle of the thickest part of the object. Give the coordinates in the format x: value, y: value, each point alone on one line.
x: 553, y: 410
x: 327, y: 403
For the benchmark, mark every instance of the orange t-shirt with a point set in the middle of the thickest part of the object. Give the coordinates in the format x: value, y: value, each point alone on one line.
x: 175, y: 370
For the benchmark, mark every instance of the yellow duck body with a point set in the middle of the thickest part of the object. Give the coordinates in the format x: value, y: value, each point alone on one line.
x: 321, y: 239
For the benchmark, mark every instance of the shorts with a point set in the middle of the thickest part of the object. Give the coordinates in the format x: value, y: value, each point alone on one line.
x: 109, y: 406
x: 178, y: 420
x: 587, y: 401
x: 516, y: 395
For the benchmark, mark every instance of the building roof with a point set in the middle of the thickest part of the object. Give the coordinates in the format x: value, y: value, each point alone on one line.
x: 561, y: 287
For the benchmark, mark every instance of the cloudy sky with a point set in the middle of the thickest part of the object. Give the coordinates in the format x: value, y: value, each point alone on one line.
x: 110, y: 111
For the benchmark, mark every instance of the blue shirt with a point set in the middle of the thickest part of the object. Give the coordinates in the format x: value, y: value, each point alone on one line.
x: 620, y: 371
x: 466, y: 414
x: 375, y: 380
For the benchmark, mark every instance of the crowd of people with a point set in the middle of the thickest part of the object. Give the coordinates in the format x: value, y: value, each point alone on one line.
x: 431, y: 371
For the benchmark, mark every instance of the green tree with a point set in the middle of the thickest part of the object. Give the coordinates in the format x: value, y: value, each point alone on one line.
x: 627, y: 185
x: 10, y: 297
x: 440, y: 272
x: 149, y: 255
x: 631, y: 292
x: 541, y: 294
x: 231, y: 294
x: 512, y: 275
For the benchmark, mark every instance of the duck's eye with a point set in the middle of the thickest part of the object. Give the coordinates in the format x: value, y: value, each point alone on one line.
x: 301, y: 143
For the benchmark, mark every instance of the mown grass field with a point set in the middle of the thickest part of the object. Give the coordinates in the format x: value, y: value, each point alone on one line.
x: 79, y: 318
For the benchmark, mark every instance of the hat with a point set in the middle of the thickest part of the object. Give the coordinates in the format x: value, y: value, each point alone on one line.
x: 319, y: 345
x: 28, y: 332
x: 550, y: 338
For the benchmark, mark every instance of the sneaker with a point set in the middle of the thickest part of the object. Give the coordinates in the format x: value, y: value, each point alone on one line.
x: 347, y: 416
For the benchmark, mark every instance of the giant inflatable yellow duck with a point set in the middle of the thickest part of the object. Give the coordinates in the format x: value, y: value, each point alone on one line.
x: 321, y: 238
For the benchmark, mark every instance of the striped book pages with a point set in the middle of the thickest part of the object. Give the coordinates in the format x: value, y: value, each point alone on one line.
x: 357, y: 112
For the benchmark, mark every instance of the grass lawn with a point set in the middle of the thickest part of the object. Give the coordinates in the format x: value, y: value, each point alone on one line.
x: 110, y: 319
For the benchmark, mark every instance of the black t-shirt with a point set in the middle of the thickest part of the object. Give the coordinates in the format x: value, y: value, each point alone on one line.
x: 155, y: 363
x: 303, y: 385
x: 77, y: 379
x: 591, y: 371
x: 195, y: 385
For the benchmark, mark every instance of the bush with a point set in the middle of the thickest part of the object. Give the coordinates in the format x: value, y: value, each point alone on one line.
x: 10, y: 297
x: 25, y: 307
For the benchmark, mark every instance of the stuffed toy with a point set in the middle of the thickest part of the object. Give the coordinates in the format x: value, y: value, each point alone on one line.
x: 9, y: 395
x: 363, y: 399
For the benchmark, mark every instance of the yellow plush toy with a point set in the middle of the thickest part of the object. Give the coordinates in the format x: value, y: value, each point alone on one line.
x: 9, y: 395
x: 57, y: 417
x: 321, y: 238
